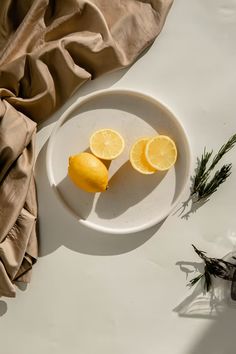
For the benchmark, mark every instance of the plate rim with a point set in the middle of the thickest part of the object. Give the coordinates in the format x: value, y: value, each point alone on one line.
x: 80, y: 101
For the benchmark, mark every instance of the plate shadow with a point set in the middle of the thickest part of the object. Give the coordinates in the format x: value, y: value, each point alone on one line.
x: 59, y: 228
x: 66, y: 189
x: 128, y: 188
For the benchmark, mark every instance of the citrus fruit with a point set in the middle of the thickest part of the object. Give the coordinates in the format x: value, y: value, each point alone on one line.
x: 88, y: 172
x: 106, y: 144
x: 138, y: 159
x: 161, y: 152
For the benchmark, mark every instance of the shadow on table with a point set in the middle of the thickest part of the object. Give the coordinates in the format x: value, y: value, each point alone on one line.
x: 64, y: 229
x: 21, y: 286
x: 219, y: 337
x: 215, y: 305
x: 189, y: 207
x: 200, y: 303
x: 3, y: 308
x: 3, y: 305
x: 191, y: 204
x: 190, y: 267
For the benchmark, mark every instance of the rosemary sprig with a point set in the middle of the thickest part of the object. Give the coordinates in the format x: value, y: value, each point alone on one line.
x: 204, y: 186
x: 201, y: 175
x: 216, y: 267
x: 223, y: 150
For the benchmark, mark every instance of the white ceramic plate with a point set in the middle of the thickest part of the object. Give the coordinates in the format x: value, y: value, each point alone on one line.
x: 133, y: 201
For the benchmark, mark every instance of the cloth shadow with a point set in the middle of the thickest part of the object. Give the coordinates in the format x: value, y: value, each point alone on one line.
x: 3, y: 308
x: 3, y: 305
x: 58, y: 227
x: 104, y: 82
x: 21, y: 286
x: 128, y: 188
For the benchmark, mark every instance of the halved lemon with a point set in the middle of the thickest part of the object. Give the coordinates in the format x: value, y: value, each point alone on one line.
x: 106, y: 144
x: 161, y: 152
x: 138, y: 159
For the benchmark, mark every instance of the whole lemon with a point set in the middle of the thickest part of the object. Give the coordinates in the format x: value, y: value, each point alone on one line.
x: 88, y: 172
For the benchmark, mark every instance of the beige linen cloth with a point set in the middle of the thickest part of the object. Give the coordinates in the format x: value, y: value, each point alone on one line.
x: 48, y: 48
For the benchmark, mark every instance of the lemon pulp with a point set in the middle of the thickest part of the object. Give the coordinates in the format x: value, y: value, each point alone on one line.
x: 138, y: 159
x: 161, y: 152
x: 106, y: 144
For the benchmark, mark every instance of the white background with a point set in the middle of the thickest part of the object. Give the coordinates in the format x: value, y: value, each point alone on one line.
x: 95, y: 293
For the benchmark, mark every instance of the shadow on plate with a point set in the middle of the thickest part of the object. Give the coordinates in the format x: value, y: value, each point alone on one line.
x: 125, y: 192
x: 68, y: 191
x: 57, y: 227
x: 139, y: 108
x: 72, y: 196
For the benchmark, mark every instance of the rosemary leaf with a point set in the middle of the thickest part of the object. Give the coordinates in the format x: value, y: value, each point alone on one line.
x: 208, y: 188
x: 216, y: 267
x: 194, y: 281
x: 223, y: 150
x: 201, y: 170
x: 207, y: 284
x: 203, y: 184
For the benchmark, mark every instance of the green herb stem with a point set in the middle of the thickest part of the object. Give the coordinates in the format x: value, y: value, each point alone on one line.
x: 203, y: 184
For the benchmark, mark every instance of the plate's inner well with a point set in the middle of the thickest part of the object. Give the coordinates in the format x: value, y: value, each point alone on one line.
x: 132, y: 199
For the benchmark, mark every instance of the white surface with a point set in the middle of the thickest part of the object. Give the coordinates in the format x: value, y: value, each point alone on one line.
x: 92, y: 293
x: 133, y: 202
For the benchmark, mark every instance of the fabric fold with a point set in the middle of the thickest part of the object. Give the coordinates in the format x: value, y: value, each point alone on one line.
x: 48, y: 49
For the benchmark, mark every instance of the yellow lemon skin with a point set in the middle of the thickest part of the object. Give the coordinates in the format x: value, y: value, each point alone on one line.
x: 88, y: 172
x: 138, y: 159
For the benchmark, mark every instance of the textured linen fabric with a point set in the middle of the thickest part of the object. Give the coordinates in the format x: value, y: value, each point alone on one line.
x: 48, y: 49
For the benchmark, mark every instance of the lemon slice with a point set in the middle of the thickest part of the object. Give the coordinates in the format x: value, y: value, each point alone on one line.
x: 138, y: 159
x: 161, y: 152
x: 106, y: 144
